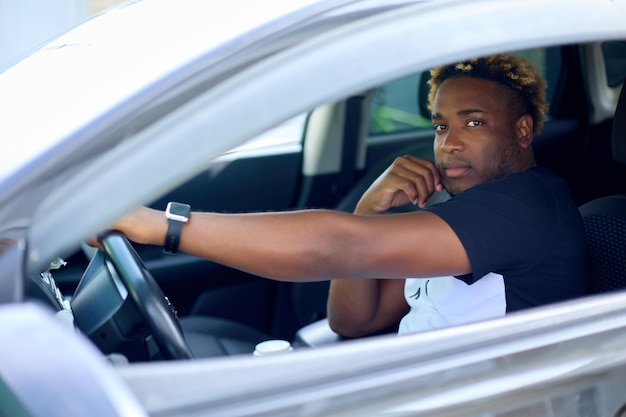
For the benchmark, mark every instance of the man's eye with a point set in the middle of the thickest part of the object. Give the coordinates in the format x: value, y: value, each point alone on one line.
x: 439, y: 127
x: 474, y: 123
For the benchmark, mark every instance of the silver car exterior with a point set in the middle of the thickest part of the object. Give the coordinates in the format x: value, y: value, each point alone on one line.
x: 556, y: 361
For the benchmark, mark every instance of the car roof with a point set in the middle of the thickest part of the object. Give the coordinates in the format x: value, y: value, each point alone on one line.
x: 274, y: 71
x: 93, y: 68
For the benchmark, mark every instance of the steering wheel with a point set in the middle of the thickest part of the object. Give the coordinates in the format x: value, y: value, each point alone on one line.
x: 147, y: 296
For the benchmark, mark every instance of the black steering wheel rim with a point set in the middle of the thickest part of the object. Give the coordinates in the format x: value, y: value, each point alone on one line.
x: 147, y: 296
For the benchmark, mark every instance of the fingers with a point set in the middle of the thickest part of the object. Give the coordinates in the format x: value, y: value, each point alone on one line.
x: 139, y: 224
x: 408, y: 180
x: 418, y: 178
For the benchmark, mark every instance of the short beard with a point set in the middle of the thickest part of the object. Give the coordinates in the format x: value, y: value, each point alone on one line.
x: 510, y: 161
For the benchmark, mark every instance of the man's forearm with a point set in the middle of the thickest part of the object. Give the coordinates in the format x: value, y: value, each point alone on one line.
x: 295, y: 246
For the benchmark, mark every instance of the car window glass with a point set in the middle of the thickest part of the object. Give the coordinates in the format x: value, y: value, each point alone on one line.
x: 615, y: 61
x: 396, y: 105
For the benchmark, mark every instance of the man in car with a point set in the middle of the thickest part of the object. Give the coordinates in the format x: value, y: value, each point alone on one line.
x: 509, y: 238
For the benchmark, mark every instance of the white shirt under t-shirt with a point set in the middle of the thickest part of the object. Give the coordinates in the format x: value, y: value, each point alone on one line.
x: 447, y: 301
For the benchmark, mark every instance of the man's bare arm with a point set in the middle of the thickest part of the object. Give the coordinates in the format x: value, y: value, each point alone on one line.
x: 313, y: 245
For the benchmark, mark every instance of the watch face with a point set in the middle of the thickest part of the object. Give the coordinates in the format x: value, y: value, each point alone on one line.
x: 178, y: 211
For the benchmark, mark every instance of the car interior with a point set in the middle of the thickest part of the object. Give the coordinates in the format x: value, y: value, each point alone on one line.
x: 327, y: 159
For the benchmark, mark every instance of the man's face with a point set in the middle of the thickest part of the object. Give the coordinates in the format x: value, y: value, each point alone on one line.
x: 475, y: 133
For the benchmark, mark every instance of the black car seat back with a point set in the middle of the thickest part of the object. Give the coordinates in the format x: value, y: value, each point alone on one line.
x: 605, y: 221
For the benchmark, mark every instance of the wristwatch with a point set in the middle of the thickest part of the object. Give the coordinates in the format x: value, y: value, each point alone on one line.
x: 177, y: 215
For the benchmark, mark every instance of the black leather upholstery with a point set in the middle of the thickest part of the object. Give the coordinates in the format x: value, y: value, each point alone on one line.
x: 213, y: 336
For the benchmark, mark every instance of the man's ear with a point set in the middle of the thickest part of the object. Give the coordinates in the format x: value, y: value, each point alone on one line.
x: 524, y: 129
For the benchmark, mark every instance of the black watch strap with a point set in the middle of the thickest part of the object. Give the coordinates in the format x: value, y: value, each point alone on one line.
x: 172, y: 239
x: 177, y: 215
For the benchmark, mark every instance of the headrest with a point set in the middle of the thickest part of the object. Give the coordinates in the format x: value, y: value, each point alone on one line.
x: 618, y: 136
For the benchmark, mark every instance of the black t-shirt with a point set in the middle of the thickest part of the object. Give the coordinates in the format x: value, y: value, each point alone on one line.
x: 526, y: 228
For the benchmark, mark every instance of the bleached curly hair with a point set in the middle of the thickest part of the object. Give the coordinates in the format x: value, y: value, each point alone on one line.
x: 515, y: 72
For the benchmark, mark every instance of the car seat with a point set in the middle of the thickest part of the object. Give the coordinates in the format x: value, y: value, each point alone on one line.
x: 214, y: 336
x: 605, y: 221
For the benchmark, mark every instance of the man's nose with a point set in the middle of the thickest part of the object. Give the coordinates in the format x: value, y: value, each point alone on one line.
x: 452, y: 141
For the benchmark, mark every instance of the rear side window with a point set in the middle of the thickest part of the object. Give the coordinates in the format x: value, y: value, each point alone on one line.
x: 395, y: 107
x: 615, y: 61
x: 399, y: 107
